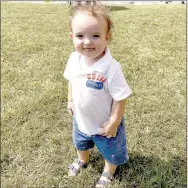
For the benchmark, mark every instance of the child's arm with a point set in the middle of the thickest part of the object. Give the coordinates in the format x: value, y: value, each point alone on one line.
x: 70, y: 102
x: 111, y: 126
x: 118, y: 108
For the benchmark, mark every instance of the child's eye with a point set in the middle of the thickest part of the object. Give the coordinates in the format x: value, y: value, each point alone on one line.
x: 96, y: 36
x: 79, y: 36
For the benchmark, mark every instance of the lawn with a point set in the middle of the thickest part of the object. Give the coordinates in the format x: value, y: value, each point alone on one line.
x: 150, y: 43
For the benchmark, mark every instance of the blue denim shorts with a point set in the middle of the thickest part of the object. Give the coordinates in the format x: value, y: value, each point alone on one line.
x: 112, y: 149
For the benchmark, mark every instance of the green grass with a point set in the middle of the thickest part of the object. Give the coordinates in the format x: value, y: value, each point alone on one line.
x: 150, y: 43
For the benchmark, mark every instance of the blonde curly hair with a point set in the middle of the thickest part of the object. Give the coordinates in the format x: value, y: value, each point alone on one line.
x: 93, y: 8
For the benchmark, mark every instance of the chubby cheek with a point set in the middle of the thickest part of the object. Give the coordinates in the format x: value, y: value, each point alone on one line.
x: 101, y: 44
x: 77, y: 44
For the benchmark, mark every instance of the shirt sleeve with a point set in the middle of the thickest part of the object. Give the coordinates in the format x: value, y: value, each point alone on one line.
x: 118, y: 87
x: 68, y: 73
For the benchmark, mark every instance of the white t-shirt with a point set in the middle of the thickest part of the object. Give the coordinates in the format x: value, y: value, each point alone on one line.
x: 94, y: 88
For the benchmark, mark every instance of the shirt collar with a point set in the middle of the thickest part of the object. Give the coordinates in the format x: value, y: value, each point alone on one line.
x: 101, y: 65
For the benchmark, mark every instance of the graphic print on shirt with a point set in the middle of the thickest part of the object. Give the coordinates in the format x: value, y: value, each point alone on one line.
x: 95, y: 81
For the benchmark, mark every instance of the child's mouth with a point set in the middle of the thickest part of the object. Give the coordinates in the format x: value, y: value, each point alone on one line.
x: 89, y: 49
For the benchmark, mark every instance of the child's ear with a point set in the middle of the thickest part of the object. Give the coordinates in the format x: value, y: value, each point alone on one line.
x: 70, y: 35
x: 108, y: 37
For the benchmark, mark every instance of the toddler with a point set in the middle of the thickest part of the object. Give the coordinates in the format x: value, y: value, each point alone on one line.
x: 97, y: 92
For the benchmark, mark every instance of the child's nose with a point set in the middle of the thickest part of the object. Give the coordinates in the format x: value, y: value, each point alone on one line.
x: 87, y: 41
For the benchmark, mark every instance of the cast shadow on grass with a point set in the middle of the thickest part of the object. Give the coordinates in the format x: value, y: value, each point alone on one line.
x: 116, y: 8
x: 141, y: 171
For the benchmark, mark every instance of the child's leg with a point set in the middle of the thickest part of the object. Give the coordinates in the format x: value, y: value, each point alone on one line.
x: 83, y: 156
x: 83, y: 159
x: 114, y: 151
x: 107, y: 175
x: 83, y: 143
x: 109, y: 167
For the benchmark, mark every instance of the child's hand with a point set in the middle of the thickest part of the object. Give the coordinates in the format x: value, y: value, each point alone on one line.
x: 109, y: 130
x: 70, y: 108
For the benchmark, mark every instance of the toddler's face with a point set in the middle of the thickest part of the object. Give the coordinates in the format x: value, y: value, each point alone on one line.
x: 90, y: 35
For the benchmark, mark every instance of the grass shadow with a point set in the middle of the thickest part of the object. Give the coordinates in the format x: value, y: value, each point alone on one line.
x: 117, y: 8
x: 141, y: 171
